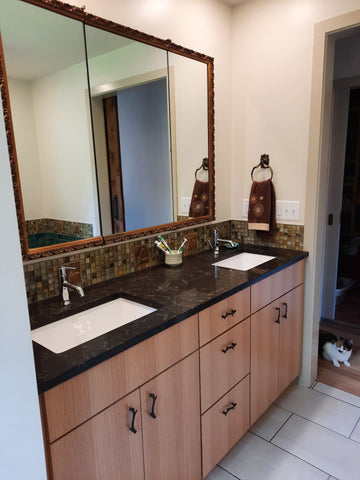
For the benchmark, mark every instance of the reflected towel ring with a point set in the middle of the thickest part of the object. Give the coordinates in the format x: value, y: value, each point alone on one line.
x: 204, y: 166
x: 264, y: 163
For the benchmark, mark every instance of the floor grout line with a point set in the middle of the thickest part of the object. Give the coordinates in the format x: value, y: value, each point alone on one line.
x: 323, y: 426
x: 336, y: 398
x: 295, y: 456
x: 227, y: 471
x: 356, y: 424
x: 286, y: 421
x: 326, y: 395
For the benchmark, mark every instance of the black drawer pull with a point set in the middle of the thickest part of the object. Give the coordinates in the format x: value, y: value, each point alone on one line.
x: 154, y: 397
x: 230, y: 347
x: 232, y: 313
x: 233, y: 405
x: 132, y: 426
x: 277, y: 319
x: 285, y: 312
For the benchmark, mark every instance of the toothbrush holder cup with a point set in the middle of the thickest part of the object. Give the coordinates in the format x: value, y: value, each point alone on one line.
x: 173, y: 259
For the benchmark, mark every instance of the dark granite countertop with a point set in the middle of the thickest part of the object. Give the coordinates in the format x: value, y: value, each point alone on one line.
x: 177, y: 293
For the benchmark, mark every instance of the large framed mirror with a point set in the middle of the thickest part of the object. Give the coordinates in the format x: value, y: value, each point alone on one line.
x: 110, y: 130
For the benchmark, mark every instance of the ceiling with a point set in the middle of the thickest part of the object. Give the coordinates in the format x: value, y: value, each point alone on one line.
x: 233, y: 2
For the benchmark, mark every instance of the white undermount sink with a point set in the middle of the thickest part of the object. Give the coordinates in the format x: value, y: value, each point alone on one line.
x: 244, y: 261
x: 81, y: 327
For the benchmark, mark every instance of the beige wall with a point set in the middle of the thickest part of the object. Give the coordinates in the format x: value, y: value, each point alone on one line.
x: 272, y: 63
x: 21, y: 443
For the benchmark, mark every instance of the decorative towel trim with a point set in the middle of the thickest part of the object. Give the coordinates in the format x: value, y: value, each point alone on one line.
x: 259, y: 226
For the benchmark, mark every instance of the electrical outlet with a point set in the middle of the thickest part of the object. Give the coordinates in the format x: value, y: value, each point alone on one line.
x: 245, y: 206
x: 185, y: 205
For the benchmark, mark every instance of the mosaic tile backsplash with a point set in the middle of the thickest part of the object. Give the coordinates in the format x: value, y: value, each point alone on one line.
x: 110, y: 261
x: 64, y: 227
x: 49, y: 231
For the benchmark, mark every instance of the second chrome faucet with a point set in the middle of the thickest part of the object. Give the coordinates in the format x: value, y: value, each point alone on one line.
x: 218, y: 240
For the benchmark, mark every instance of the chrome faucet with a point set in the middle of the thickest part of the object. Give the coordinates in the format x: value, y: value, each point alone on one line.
x: 65, y: 286
x: 218, y: 240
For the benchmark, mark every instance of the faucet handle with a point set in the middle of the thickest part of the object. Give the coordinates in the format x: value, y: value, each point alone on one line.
x: 63, y: 269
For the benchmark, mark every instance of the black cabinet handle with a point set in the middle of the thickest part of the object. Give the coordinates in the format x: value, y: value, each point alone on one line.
x: 233, y: 405
x: 154, y: 397
x: 230, y: 347
x: 132, y: 426
x: 285, y: 312
x: 232, y: 313
x: 277, y: 319
x: 115, y: 207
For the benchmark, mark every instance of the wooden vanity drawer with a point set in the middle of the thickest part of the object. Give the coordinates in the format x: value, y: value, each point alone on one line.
x: 220, y: 432
x: 223, y: 315
x: 273, y: 287
x: 74, y: 401
x: 224, y: 362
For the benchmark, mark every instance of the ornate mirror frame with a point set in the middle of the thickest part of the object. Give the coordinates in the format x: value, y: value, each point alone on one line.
x: 112, y: 27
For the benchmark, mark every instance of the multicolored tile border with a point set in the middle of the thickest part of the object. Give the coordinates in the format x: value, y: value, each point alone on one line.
x: 111, y: 261
x: 64, y: 227
x: 285, y: 236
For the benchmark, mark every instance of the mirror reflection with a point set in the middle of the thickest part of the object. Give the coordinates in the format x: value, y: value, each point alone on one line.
x: 47, y: 81
x: 111, y: 133
x: 130, y: 108
x: 150, y: 118
x: 190, y: 111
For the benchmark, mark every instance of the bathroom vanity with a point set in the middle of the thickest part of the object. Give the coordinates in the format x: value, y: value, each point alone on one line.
x: 168, y: 395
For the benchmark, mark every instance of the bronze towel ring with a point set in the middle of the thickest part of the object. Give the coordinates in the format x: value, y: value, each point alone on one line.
x: 204, y: 165
x: 264, y: 163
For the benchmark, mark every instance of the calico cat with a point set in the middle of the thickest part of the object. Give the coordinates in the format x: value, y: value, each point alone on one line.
x: 335, y: 349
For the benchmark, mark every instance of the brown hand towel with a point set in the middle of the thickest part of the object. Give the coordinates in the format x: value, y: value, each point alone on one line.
x: 199, y: 204
x: 262, y: 204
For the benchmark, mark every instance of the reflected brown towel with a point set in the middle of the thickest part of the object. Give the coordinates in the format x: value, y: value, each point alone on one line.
x: 199, y: 204
x: 262, y: 204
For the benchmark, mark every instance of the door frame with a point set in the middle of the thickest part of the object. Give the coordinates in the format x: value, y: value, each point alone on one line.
x: 340, y: 112
x: 325, y: 35
x: 97, y: 94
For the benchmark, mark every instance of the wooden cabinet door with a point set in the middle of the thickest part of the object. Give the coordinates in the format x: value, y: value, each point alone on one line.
x: 171, y: 423
x: 103, y: 447
x: 71, y: 403
x: 291, y: 325
x: 264, y: 359
x: 224, y: 424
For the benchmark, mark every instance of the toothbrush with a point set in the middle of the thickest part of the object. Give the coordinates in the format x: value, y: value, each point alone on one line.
x: 160, y: 246
x: 181, y: 246
x: 162, y: 242
x: 165, y: 244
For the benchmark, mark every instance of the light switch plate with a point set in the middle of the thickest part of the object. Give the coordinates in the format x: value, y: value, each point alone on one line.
x: 289, y: 210
x: 185, y: 205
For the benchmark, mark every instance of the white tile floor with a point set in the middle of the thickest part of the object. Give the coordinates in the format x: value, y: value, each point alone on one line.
x: 308, y: 434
